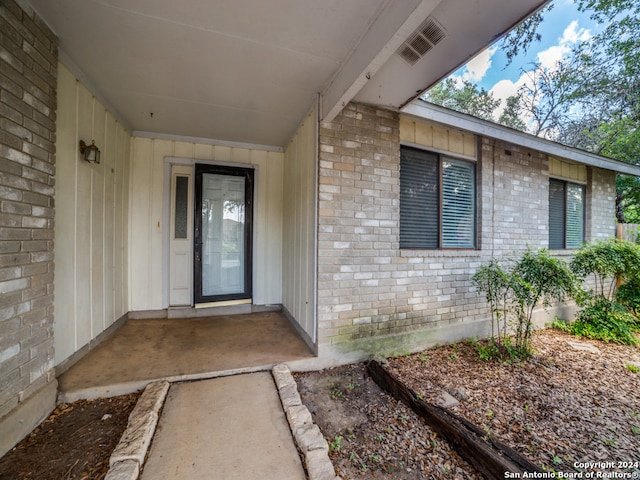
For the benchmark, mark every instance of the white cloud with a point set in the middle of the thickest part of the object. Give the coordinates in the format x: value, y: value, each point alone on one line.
x: 547, y: 58
x: 572, y: 34
x: 477, y: 68
x: 505, y: 89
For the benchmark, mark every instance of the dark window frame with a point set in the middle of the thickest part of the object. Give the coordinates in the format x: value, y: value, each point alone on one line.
x: 559, y: 214
x: 248, y: 175
x: 416, y: 222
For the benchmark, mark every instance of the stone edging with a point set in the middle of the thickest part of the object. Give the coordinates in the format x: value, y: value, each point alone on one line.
x: 307, y: 435
x: 129, y: 455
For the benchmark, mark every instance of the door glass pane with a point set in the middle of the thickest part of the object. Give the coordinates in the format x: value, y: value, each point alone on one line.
x: 181, y: 207
x: 223, y: 232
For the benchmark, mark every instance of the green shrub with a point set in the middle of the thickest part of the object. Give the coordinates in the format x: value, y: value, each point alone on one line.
x: 536, y: 278
x: 605, y: 315
x: 496, y: 284
x: 560, y: 324
x: 628, y: 295
x: 609, y: 262
x: 605, y: 320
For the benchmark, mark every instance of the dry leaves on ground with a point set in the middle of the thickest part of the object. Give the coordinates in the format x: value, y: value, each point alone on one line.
x: 372, y: 435
x: 560, y: 407
x: 73, y: 443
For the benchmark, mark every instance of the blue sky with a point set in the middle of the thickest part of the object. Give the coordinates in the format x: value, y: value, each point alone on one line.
x: 563, y: 26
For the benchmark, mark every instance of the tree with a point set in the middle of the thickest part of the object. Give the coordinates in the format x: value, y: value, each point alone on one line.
x: 466, y: 98
x: 588, y: 100
x: 511, y: 115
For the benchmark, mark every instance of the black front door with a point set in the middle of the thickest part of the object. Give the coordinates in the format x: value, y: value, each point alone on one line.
x: 223, y: 233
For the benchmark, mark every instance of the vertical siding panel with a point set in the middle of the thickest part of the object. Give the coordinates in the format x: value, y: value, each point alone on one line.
x: 119, y: 225
x: 240, y: 155
x: 91, y: 212
x: 275, y: 218
x: 424, y: 134
x: 184, y: 149
x: 260, y: 212
x: 203, y: 152
x: 97, y: 225
x: 440, y: 138
x: 109, y: 219
x: 299, y: 225
x: 456, y: 142
x: 222, y: 154
x: 127, y: 165
x: 83, y: 222
x: 469, y: 147
x: 65, y: 219
x: 408, y: 131
x: 140, y: 227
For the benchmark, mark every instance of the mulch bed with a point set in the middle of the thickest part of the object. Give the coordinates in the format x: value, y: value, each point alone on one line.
x: 565, y: 410
x: 560, y: 408
x: 373, y: 435
x: 74, y: 442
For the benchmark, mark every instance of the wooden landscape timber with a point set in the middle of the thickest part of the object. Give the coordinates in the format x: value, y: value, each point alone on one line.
x: 491, y: 458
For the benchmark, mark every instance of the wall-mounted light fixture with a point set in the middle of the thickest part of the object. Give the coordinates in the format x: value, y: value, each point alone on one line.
x: 90, y: 152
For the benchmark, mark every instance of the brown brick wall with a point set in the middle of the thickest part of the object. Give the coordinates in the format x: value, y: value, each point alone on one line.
x: 28, y: 70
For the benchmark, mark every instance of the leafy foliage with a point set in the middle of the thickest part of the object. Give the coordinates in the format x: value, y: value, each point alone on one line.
x: 628, y: 295
x: 590, y: 99
x: 513, y: 295
x: 466, y: 98
x: 605, y: 320
x: 608, y: 262
x: 604, y: 316
x: 538, y: 278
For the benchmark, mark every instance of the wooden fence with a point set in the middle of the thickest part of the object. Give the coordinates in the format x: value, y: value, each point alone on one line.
x: 629, y: 231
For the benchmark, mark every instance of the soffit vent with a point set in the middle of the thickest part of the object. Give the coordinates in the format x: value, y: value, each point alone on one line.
x: 427, y: 36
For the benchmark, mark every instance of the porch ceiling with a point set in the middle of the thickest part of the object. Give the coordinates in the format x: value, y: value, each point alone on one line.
x: 248, y: 70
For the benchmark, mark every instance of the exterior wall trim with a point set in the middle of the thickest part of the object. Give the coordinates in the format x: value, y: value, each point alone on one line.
x: 420, y: 110
x: 472, y: 158
x: 206, y: 141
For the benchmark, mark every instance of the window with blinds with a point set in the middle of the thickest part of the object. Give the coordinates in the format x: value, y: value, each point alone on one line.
x: 437, y: 201
x: 566, y: 214
x: 458, y: 204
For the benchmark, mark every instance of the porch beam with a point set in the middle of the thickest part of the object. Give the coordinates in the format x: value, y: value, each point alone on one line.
x: 396, y: 21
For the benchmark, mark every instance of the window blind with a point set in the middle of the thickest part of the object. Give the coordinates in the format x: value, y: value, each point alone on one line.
x: 557, y: 214
x: 458, y: 204
x: 419, y: 199
x: 566, y: 214
x: 575, y: 216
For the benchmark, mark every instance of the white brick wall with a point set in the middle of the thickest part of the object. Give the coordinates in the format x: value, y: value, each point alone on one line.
x: 27, y: 167
x: 372, y: 296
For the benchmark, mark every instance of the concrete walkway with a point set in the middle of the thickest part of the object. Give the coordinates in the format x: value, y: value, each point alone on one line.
x: 228, y: 428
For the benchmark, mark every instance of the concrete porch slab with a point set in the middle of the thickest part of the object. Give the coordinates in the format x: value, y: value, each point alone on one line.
x: 145, y: 350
